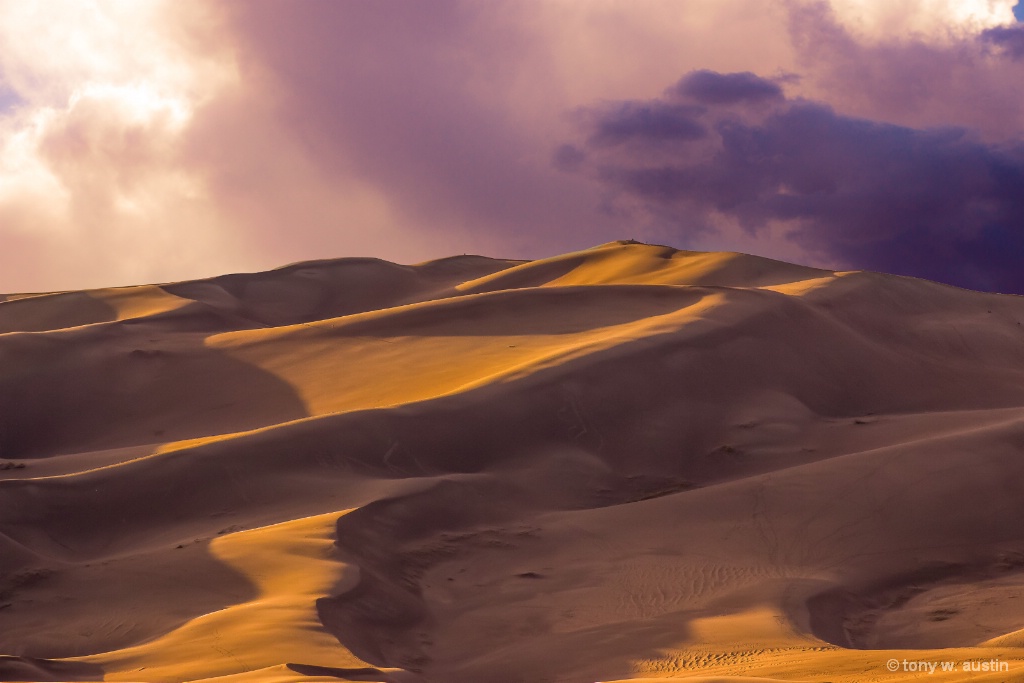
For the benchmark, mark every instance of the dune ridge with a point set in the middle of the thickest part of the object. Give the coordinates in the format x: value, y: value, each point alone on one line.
x: 625, y: 463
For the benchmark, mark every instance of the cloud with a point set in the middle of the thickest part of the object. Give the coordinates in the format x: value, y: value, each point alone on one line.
x: 708, y: 87
x: 451, y: 113
x: 947, y: 75
x: 1009, y: 38
x: 147, y: 140
x: 8, y: 98
x: 139, y: 144
x: 92, y: 191
x: 927, y: 20
x: 443, y: 110
x: 937, y: 203
x: 651, y: 122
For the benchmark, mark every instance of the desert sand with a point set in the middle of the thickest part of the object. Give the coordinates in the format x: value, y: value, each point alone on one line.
x: 629, y: 463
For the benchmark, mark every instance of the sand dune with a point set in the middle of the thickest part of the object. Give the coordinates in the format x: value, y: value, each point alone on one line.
x: 625, y: 463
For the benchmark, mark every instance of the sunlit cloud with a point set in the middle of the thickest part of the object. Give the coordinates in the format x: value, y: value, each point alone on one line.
x: 928, y: 19
x: 90, y: 180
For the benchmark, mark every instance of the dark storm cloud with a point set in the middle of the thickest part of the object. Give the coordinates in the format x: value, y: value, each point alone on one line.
x: 1009, y: 38
x: 934, y: 203
x: 650, y: 122
x: 709, y: 87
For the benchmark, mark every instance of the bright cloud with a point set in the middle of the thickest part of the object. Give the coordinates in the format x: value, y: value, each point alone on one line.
x: 90, y: 181
x: 931, y: 19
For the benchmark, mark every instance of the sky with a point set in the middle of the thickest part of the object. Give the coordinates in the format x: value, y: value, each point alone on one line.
x: 162, y: 140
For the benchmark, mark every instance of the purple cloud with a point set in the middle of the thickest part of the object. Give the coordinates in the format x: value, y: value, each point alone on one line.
x: 709, y: 87
x: 1009, y: 38
x: 651, y: 122
x: 417, y: 102
x: 936, y: 203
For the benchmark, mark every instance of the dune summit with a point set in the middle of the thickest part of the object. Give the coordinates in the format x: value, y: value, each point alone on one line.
x: 624, y: 463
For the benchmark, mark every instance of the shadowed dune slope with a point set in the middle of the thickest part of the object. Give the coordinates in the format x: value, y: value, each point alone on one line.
x: 625, y: 463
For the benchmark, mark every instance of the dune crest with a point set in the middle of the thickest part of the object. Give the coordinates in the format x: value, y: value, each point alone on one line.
x: 625, y: 463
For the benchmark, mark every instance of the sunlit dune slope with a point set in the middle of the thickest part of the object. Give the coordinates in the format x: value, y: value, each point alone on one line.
x: 628, y: 462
